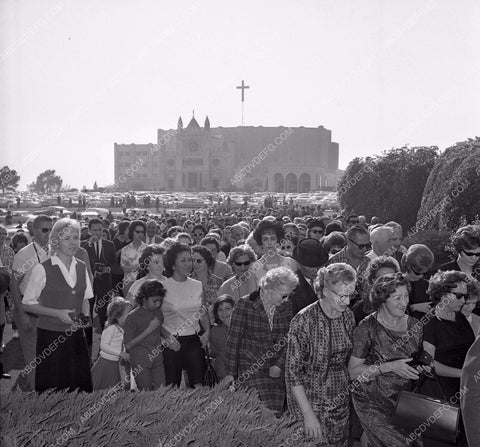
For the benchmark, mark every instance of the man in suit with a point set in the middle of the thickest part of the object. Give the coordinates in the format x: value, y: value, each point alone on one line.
x: 152, y: 237
x: 310, y: 256
x: 103, y: 262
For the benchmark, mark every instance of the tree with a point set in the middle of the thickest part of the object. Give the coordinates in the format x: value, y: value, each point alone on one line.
x: 389, y: 186
x: 9, y: 179
x: 47, y: 182
x: 452, y: 192
x: 95, y: 186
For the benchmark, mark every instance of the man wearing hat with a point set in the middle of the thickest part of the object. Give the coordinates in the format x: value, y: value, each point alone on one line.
x: 310, y: 256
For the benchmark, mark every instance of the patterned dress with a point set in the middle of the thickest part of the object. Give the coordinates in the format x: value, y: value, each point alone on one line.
x: 318, y: 351
x: 375, y: 400
x: 253, y: 347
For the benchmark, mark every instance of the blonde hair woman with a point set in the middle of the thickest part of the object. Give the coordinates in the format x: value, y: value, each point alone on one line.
x: 58, y: 292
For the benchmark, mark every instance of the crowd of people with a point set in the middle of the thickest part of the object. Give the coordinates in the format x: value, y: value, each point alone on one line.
x: 322, y: 317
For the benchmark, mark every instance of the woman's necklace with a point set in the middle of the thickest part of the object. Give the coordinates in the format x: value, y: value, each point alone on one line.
x: 388, y: 325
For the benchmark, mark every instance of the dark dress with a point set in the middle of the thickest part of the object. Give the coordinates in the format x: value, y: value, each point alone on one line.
x: 375, y: 400
x: 318, y: 351
x: 418, y: 294
x: 253, y: 347
x: 452, y: 340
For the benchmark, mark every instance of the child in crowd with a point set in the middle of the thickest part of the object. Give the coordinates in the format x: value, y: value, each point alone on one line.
x: 106, y: 371
x: 222, y: 311
x: 142, y: 336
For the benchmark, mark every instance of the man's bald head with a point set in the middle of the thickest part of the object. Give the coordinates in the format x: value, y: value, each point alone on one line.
x: 382, y: 240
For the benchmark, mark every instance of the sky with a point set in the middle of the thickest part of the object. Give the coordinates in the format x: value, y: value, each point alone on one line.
x: 77, y: 76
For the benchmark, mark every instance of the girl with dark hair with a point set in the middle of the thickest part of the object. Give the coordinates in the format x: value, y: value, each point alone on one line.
x: 186, y: 323
x: 143, y: 336
x: 150, y: 267
x: 222, y: 312
x: 106, y: 371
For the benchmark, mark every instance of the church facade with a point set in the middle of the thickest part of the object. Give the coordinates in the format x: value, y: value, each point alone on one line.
x: 195, y: 158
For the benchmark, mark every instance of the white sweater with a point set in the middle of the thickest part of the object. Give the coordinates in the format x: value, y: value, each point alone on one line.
x: 111, y: 343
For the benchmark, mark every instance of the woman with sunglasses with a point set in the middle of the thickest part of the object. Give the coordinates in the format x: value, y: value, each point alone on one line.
x: 240, y: 259
x: 255, y: 351
x: 466, y: 242
x: 416, y: 264
x: 383, y: 345
x: 319, y: 345
x: 130, y: 254
x: 448, y: 336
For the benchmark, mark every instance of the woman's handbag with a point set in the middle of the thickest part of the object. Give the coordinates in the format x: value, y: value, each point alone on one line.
x: 210, y: 377
x: 432, y: 418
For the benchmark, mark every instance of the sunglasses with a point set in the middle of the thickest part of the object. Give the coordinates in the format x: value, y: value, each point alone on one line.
x: 362, y: 246
x: 416, y: 272
x: 471, y: 253
x: 459, y: 296
x: 46, y: 230
x: 239, y: 264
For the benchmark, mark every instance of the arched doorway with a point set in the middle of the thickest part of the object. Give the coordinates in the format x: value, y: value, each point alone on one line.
x: 278, y: 183
x: 304, y: 184
x: 291, y: 183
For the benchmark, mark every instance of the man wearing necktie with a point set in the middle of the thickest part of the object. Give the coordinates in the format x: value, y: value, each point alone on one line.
x: 151, y: 237
x: 103, y: 262
x: 310, y: 256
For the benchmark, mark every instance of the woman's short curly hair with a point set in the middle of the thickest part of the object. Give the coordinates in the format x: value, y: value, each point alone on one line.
x: 334, y: 239
x: 376, y: 264
x: 280, y: 276
x: 333, y: 274
x: 385, y: 286
x: 151, y: 287
x: 267, y: 226
x: 444, y: 282
x: 241, y: 250
x: 220, y: 300
x: 466, y: 238
x: 171, y: 256
x: 206, y: 254
x: 146, y: 256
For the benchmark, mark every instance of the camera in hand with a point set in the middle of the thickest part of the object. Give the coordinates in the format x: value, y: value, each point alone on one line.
x: 79, y: 318
x: 421, y: 358
x: 100, y: 267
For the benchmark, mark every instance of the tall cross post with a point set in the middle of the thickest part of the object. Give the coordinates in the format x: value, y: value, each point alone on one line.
x: 242, y: 88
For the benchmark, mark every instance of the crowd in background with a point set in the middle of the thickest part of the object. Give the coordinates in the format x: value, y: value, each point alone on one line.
x: 331, y: 312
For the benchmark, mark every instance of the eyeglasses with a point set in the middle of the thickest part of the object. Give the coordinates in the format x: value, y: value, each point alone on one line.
x: 414, y: 270
x: 239, y: 264
x: 46, y: 230
x: 139, y: 231
x: 471, y: 253
x: 284, y: 297
x: 367, y: 246
x: 342, y: 297
x: 459, y: 296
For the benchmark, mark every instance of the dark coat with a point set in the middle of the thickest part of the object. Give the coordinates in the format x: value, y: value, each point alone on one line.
x: 102, y: 283
x: 303, y: 295
x: 252, y: 348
